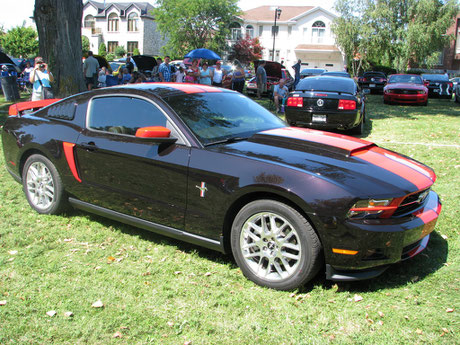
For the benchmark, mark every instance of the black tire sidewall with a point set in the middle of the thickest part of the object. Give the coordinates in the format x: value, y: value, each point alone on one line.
x: 58, y: 204
x: 309, y: 263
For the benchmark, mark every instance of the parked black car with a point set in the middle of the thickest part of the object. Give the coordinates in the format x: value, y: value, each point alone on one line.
x: 337, y: 74
x: 438, y: 85
x: 327, y: 103
x: 210, y: 166
x: 311, y: 72
x: 374, y: 81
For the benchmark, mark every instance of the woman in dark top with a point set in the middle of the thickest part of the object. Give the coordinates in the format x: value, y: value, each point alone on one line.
x: 238, y: 79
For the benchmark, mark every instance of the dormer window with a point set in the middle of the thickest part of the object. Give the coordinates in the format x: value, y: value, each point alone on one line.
x: 133, y: 22
x: 318, y: 32
x: 112, y: 22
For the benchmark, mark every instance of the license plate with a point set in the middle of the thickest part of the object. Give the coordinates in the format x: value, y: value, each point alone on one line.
x: 371, y: 85
x: 436, y: 90
x: 318, y: 118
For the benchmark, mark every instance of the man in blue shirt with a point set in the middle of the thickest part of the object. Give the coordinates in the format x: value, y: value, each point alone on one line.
x: 296, y: 68
x: 165, y: 70
x: 280, y: 93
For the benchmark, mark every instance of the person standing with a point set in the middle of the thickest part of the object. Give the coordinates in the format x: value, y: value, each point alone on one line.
x: 217, y: 74
x: 205, y: 74
x: 164, y: 70
x: 130, y: 64
x: 90, y: 68
x: 296, y: 69
x: 180, y: 74
x: 238, y: 78
x: 261, y: 79
x: 40, y: 78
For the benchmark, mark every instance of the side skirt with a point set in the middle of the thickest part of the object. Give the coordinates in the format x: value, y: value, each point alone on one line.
x: 144, y: 224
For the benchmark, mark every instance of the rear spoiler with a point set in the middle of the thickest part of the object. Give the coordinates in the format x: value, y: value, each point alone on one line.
x: 19, y: 109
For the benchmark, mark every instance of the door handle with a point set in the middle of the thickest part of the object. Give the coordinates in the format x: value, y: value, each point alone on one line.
x: 91, y: 146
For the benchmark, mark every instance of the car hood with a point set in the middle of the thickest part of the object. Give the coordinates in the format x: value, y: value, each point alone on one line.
x: 356, y: 165
x: 144, y: 62
x: 405, y: 86
x: 272, y: 68
x: 5, y: 59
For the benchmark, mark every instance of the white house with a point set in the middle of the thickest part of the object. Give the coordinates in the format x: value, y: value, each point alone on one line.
x: 302, y: 32
x: 128, y: 24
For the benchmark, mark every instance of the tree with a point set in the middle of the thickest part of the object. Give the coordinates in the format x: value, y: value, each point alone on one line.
x: 102, y: 49
x: 246, y: 50
x: 59, y: 32
x: 394, y: 33
x: 136, y: 51
x: 85, y: 45
x: 195, y: 24
x: 20, y: 41
x: 120, y: 51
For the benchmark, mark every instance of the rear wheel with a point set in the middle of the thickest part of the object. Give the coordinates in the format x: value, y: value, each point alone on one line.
x: 359, y: 129
x: 42, y: 185
x: 274, y: 245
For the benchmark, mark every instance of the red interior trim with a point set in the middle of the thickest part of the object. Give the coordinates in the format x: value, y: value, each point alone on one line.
x: 69, y: 155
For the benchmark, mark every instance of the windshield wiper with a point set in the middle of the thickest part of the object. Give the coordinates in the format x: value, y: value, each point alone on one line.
x: 227, y: 141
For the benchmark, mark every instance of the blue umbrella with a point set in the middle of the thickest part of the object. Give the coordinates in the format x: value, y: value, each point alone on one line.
x: 202, y: 53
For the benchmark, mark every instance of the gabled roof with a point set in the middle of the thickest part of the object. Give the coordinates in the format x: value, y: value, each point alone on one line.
x: 144, y: 7
x: 267, y: 13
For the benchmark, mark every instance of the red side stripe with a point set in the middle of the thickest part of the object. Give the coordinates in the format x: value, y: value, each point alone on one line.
x: 69, y: 155
x: 397, y: 165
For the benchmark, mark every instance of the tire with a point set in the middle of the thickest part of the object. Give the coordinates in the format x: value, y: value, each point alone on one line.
x: 281, y: 259
x: 42, y: 186
x: 359, y: 129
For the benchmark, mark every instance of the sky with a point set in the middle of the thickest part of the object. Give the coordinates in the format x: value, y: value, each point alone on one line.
x: 15, y: 12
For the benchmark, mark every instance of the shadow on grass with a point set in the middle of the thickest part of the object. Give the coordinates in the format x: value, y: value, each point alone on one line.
x: 399, y: 274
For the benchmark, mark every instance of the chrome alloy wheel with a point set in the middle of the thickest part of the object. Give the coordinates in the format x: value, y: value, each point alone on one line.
x: 40, y: 185
x: 270, y: 246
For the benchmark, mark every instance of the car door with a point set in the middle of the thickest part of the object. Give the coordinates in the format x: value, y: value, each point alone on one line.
x: 127, y: 174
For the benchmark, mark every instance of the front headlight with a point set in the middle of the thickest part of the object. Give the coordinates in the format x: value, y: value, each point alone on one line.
x: 371, y: 208
x: 421, y: 92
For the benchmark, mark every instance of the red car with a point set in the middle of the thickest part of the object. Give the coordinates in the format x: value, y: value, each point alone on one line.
x: 275, y: 72
x: 405, y: 88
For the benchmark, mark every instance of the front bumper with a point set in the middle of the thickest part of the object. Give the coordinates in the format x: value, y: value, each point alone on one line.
x: 380, y: 242
x: 406, y: 98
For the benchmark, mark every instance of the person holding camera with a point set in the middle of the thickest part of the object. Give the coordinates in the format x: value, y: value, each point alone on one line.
x: 40, y: 78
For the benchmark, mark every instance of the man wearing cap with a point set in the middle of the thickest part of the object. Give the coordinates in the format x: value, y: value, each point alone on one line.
x: 280, y: 93
x: 261, y: 79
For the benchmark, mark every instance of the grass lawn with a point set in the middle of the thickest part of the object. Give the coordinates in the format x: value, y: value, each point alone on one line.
x: 155, y: 290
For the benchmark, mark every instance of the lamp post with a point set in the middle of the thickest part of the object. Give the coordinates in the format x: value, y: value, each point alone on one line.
x: 277, y: 16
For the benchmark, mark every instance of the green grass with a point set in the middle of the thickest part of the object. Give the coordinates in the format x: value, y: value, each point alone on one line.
x: 160, y: 291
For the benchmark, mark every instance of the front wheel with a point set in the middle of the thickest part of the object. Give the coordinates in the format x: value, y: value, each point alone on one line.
x: 274, y: 245
x: 42, y: 185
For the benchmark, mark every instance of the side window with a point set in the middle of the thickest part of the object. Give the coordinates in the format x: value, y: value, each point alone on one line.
x: 123, y: 115
x: 65, y: 111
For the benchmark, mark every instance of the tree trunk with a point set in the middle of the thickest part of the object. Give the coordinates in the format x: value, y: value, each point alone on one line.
x: 59, y: 32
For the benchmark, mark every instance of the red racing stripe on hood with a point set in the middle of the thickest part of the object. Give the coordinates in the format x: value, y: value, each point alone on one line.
x: 336, y: 140
x: 422, y: 177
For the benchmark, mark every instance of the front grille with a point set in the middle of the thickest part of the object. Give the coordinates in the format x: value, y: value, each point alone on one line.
x: 404, y: 92
x: 411, y: 202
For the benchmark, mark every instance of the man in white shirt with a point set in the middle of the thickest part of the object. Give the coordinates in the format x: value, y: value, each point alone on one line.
x: 280, y: 93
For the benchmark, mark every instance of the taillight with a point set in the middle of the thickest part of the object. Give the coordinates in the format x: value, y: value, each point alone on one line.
x: 295, y: 102
x: 345, y: 104
x: 451, y: 85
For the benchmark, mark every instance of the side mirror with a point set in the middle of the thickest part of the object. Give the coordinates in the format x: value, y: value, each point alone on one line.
x: 156, y: 134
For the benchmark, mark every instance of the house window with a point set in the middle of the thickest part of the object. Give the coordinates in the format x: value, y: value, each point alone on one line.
x: 235, y: 29
x: 132, y: 46
x: 133, y: 22
x: 318, y: 32
x: 250, y: 31
x: 457, y: 48
x: 275, y: 30
x: 111, y: 46
x: 305, y: 33
x: 261, y: 30
x: 112, y: 22
x: 89, y: 21
x: 276, y: 57
x: 289, y: 30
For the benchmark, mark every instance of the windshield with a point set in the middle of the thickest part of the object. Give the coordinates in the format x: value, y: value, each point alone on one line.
x: 218, y: 116
x: 329, y: 84
x: 435, y: 77
x: 412, y: 79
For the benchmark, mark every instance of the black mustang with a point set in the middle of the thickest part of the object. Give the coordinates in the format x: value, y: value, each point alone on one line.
x: 210, y: 166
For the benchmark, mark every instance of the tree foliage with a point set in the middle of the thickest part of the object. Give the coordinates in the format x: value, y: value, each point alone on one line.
x: 120, y: 51
x: 20, y: 41
x: 246, y: 50
x: 399, y: 34
x: 102, y: 51
x: 85, y: 45
x: 195, y: 24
